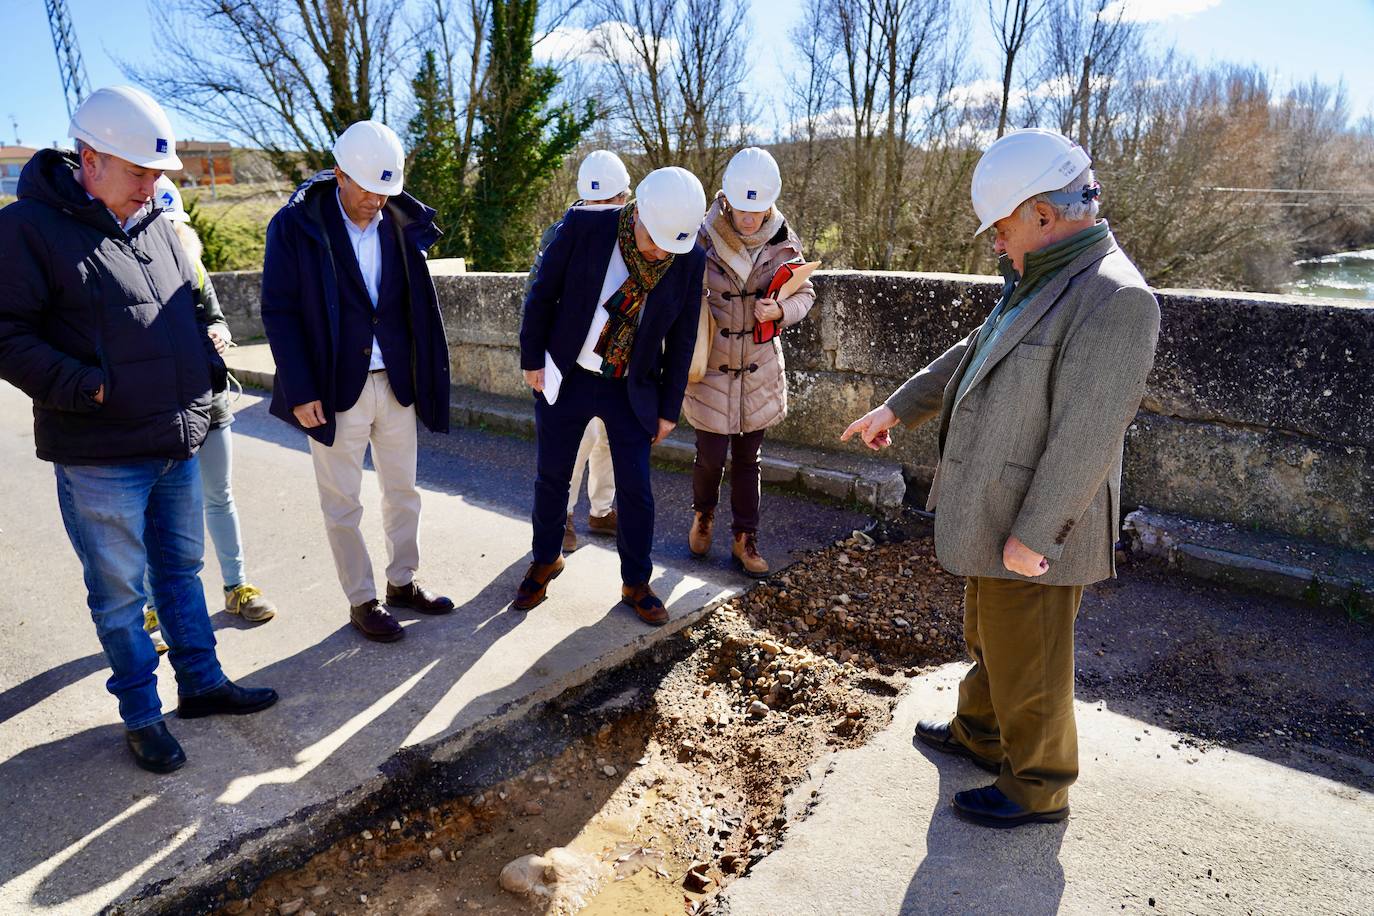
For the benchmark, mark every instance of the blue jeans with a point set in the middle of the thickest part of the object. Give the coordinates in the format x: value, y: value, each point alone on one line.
x: 216, y: 458
x: 558, y: 433
x: 123, y: 519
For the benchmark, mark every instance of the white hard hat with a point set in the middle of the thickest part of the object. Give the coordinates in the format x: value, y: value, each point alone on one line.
x: 371, y: 154
x: 671, y: 204
x: 1019, y: 166
x: 752, y: 182
x: 126, y: 122
x: 602, y: 176
x: 168, y: 198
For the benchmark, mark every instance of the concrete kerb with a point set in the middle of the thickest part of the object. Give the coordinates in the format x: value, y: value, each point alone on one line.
x: 879, y: 485
x: 1223, y: 553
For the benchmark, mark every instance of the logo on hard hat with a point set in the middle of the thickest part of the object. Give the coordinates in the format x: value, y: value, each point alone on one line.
x: 752, y: 195
x: 596, y: 186
x: 386, y: 174
x: 681, y: 236
x: 166, y: 198
x: 161, y: 145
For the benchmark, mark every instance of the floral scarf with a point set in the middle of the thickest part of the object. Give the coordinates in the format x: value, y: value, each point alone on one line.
x: 618, y: 336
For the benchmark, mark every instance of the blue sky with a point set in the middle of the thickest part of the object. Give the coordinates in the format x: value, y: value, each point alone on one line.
x: 1331, y: 39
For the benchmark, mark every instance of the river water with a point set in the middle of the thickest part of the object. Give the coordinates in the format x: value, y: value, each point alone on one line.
x: 1347, y: 275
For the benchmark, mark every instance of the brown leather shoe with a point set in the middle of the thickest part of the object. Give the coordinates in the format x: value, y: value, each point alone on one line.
x: 375, y: 622
x: 699, y: 538
x: 645, y: 602
x: 746, y: 552
x: 603, y: 524
x: 569, y: 536
x: 417, y: 598
x: 534, y: 589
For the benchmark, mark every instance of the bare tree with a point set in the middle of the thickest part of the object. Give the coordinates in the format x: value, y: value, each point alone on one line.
x: 1085, y: 43
x: 1013, y: 22
x: 676, y: 72
x: 286, y: 76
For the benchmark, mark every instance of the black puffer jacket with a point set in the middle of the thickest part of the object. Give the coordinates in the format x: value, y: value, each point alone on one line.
x: 85, y: 304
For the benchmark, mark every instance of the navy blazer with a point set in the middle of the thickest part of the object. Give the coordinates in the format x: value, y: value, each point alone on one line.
x: 301, y: 304
x: 560, y: 305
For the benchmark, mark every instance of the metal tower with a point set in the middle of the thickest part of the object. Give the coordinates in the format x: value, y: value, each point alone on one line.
x: 75, y: 85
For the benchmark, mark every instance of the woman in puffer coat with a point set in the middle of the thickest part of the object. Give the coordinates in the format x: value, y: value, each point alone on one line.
x: 744, y: 391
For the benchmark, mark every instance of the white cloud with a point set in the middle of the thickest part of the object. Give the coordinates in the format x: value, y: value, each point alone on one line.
x: 613, y: 40
x: 1156, y: 10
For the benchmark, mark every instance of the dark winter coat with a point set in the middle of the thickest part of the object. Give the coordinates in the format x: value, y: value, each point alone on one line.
x: 301, y: 304
x: 84, y: 304
x: 563, y: 299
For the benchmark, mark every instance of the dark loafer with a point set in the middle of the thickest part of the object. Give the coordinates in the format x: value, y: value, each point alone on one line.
x: 938, y: 735
x: 155, y: 749
x: 535, y: 586
x: 228, y: 699
x: 375, y: 622
x: 990, y: 808
x: 645, y: 602
x: 417, y: 598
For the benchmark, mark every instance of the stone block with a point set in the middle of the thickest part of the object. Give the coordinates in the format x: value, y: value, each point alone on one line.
x: 779, y: 471
x: 835, y: 484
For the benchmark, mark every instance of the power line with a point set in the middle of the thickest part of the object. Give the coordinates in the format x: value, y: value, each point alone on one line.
x: 1363, y: 193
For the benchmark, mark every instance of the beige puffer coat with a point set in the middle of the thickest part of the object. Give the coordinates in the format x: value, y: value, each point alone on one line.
x: 756, y: 398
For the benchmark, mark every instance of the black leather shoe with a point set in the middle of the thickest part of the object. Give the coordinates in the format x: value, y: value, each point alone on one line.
x: 228, y: 699
x: 990, y: 808
x: 155, y: 749
x: 417, y: 598
x: 375, y: 622
x: 938, y: 735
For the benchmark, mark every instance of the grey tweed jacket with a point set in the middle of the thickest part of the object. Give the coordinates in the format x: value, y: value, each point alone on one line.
x: 1033, y: 448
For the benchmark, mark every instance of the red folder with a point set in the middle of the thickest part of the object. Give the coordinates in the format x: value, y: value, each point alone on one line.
x: 789, y: 278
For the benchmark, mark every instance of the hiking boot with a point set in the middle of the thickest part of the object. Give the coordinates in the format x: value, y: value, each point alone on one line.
x: 603, y: 524
x: 150, y: 626
x: 699, y: 538
x: 569, y: 535
x: 646, y: 604
x: 535, y: 586
x: 746, y: 552
x: 247, y: 601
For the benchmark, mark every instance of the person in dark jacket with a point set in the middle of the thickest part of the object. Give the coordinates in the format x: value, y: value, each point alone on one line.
x: 98, y: 326
x: 215, y: 458
x: 603, y: 183
x: 608, y: 332
x: 353, y: 321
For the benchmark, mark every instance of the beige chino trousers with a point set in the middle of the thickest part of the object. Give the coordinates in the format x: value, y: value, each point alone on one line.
x: 594, y: 456
x: 378, y: 418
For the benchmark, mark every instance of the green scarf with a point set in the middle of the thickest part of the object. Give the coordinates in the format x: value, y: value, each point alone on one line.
x: 618, y: 336
x: 1043, y: 264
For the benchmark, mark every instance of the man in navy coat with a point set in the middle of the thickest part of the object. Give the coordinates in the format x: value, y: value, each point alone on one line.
x: 354, y: 325
x: 609, y: 328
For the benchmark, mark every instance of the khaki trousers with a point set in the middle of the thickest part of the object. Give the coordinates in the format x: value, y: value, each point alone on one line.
x: 1016, y: 702
x: 594, y: 455
x: 378, y: 418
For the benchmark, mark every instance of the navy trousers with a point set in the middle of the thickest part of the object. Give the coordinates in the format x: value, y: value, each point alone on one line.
x: 558, y: 431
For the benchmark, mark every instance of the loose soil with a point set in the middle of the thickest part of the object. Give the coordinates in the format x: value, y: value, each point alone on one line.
x: 659, y: 809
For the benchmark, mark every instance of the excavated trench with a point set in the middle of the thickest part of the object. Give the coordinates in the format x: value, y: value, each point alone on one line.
x: 647, y: 790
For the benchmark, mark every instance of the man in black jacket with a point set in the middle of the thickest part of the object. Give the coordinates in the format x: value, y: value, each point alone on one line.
x: 354, y: 324
x: 98, y: 326
x: 608, y: 332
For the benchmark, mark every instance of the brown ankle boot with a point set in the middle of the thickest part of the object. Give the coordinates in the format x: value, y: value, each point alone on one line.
x: 746, y: 551
x: 699, y: 538
x: 569, y: 536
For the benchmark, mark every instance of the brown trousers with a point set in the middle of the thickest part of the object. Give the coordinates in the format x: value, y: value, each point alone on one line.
x: 1016, y: 702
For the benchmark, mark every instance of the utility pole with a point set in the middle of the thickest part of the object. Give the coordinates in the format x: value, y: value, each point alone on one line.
x: 14, y: 122
x: 75, y: 85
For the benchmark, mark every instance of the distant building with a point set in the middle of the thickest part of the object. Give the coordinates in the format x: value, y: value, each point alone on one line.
x: 12, y: 162
x: 204, y: 162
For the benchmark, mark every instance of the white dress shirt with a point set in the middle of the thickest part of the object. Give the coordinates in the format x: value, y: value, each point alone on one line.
x: 367, y: 248
x: 616, y: 274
